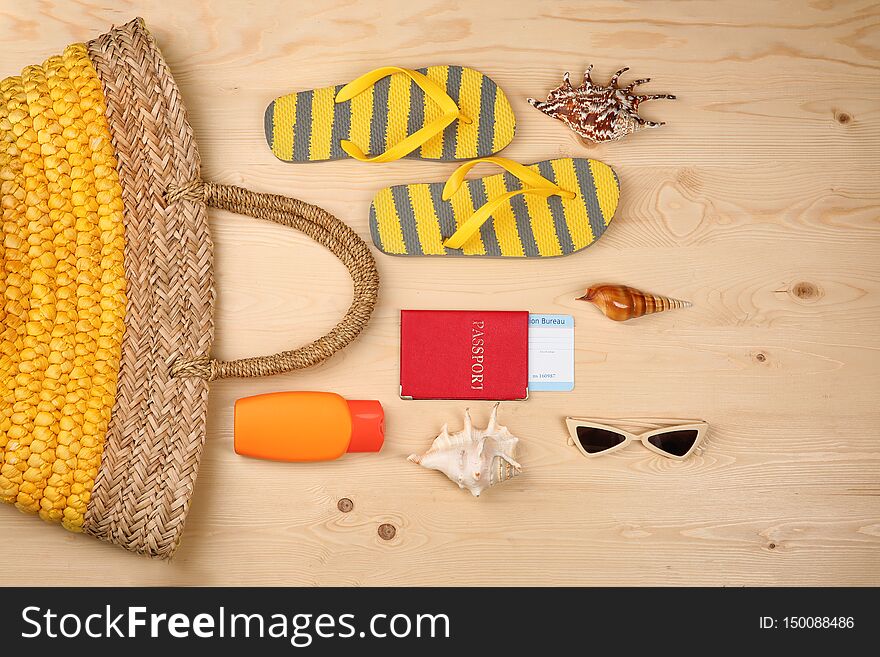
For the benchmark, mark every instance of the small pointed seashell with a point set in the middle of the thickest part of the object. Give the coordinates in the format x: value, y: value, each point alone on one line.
x: 474, y: 459
x: 620, y: 302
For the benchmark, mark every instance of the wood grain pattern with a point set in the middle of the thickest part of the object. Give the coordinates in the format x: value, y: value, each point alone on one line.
x: 758, y: 202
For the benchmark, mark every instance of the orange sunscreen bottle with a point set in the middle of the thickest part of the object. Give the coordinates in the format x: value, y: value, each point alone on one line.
x: 306, y: 426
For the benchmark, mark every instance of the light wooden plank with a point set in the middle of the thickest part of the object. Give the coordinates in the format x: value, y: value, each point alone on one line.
x: 758, y: 201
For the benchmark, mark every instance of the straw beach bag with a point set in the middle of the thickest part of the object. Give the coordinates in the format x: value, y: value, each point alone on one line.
x: 106, y: 294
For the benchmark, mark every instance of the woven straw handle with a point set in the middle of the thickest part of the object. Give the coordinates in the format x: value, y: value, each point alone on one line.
x: 322, y: 227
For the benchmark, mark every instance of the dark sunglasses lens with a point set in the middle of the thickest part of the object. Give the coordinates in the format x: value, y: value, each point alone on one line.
x: 677, y: 443
x: 595, y: 440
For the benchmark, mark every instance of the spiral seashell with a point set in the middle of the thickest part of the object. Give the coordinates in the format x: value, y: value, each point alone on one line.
x: 620, y: 303
x: 473, y: 458
x: 596, y: 112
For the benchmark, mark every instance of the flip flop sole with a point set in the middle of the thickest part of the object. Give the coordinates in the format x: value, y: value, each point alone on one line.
x: 308, y: 126
x: 414, y: 220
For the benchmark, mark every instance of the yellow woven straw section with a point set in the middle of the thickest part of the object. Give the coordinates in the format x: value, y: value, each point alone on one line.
x: 62, y: 289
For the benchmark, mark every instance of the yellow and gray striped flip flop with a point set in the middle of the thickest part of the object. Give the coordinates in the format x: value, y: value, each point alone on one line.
x: 551, y: 208
x: 434, y: 113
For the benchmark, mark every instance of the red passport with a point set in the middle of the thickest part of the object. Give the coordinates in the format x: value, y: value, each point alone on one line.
x: 464, y: 354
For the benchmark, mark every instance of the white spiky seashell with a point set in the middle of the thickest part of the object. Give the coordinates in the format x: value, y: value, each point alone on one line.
x: 475, y: 459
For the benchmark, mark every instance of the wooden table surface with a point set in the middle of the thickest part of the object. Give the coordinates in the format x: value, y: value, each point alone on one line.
x: 758, y: 201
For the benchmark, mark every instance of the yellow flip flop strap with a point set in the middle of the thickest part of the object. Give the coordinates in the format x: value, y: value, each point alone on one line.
x: 533, y: 183
x: 432, y: 90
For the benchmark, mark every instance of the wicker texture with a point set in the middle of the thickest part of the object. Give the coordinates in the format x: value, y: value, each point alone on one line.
x: 148, y: 208
x: 62, y: 285
x: 322, y: 227
x: 157, y: 427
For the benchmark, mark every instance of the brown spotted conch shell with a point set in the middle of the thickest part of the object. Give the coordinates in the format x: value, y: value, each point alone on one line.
x: 474, y: 459
x: 596, y: 112
x: 620, y: 302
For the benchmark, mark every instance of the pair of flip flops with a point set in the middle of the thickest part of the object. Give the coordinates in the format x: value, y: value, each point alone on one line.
x: 447, y: 113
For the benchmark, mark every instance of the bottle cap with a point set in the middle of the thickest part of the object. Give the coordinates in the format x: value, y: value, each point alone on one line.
x: 367, y: 425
